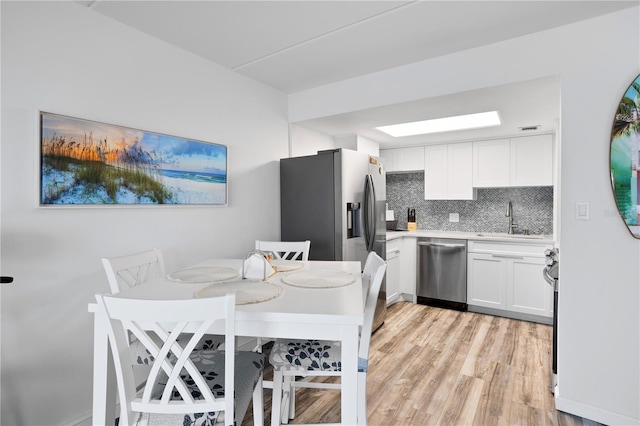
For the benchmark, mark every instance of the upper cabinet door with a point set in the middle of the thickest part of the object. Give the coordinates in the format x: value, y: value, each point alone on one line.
x: 436, y: 175
x: 521, y: 161
x: 412, y: 159
x: 460, y: 185
x: 448, y: 172
x: 403, y: 159
x: 532, y: 161
x: 491, y: 163
x: 390, y: 159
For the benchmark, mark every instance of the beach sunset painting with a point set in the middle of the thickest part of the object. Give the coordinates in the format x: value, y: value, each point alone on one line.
x: 85, y: 162
x: 624, y: 156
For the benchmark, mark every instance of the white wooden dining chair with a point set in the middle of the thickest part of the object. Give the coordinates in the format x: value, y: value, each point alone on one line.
x: 131, y: 270
x: 310, y: 358
x: 183, y: 386
x: 286, y: 250
x: 134, y: 269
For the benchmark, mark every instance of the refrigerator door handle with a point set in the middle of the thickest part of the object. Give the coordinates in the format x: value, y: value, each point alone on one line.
x: 366, y: 212
x: 374, y: 215
x: 369, y: 213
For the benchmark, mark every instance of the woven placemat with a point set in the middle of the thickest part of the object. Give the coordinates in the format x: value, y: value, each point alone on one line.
x: 204, y: 274
x: 281, y: 265
x: 319, y: 278
x: 246, y: 291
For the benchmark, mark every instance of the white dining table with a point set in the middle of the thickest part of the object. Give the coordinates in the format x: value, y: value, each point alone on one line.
x: 326, y: 313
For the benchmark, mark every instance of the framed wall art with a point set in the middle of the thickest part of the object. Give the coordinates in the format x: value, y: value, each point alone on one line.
x: 85, y: 162
x: 624, y: 160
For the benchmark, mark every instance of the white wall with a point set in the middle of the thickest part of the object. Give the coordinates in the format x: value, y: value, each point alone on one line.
x: 63, y: 58
x: 358, y: 143
x: 599, y: 329
x: 308, y: 142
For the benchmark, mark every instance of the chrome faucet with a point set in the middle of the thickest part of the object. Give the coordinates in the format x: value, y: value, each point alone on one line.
x: 509, y: 214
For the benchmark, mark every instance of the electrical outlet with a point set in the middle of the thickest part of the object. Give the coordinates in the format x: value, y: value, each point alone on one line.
x: 454, y: 217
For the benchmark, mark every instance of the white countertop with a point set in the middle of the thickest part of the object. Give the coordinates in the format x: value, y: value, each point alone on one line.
x: 481, y: 236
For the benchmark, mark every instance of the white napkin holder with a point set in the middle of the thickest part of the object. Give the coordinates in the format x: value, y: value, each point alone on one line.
x: 256, y: 266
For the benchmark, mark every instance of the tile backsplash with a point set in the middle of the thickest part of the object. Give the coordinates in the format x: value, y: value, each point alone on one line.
x: 532, y: 207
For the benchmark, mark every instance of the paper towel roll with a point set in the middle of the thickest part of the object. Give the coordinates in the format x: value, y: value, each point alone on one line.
x: 390, y: 215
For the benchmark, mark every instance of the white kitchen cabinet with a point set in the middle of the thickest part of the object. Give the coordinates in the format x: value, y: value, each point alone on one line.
x: 390, y: 159
x: 521, y: 161
x: 436, y: 167
x: 507, y: 278
x: 394, y: 267
x: 527, y: 292
x: 408, y: 258
x: 486, y: 281
x: 532, y: 161
x: 492, y: 163
x: 448, y: 172
x: 409, y: 159
x: 460, y: 172
x: 401, y: 269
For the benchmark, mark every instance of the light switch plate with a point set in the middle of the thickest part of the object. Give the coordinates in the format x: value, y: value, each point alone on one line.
x: 454, y: 217
x: 582, y: 210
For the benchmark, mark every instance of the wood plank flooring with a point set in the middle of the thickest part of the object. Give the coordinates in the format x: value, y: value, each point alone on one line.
x: 431, y: 366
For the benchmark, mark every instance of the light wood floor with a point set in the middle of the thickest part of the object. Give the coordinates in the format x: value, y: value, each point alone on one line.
x: 431, y: 366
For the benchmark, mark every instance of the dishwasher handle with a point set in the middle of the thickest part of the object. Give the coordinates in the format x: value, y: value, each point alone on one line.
x: 422, y: 243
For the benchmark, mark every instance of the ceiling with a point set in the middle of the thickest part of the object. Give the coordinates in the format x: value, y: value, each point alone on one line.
x: 297, y: 45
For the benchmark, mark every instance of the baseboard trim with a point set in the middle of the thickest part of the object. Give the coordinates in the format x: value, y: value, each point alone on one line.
x: 593, y: 413
x: 402, y: 297
x: 511, y: 314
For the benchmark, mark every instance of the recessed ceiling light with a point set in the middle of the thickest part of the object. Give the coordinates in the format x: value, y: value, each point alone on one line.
x: 446, y: 124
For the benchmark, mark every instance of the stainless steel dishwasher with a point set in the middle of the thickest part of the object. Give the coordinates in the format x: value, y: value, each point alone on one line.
x: 442, y: 273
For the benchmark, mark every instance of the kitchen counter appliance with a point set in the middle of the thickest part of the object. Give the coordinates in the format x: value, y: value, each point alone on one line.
x: 550, y: 274
x: 442, y: 273
x: 337, y: 200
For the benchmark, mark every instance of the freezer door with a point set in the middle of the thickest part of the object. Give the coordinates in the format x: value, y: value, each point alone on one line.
x: 307, y: 204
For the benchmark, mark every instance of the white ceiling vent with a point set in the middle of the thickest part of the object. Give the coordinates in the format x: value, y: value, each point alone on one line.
x: 529, y: 128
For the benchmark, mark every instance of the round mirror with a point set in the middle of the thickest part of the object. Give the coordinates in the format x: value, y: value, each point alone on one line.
x: 624, y: 151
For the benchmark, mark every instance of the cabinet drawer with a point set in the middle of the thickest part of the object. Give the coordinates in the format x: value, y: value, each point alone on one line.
x: 515, y: 248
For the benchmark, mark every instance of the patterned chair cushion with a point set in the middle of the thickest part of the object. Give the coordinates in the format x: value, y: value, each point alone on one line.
x: 306, y: 355
x: 248, y: 368
x: 140, y: 354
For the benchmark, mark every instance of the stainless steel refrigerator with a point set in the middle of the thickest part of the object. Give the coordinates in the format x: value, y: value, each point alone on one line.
x: 336, y: 199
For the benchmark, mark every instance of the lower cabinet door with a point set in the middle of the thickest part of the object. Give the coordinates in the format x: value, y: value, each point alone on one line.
x: 508, y: 277
x: 528, y: 292
x: 486, y: 281
x: 393, y: 272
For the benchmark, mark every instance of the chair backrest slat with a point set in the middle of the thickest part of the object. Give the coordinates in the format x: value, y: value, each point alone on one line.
x: 134, y: 269
x: 287, y: 250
